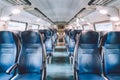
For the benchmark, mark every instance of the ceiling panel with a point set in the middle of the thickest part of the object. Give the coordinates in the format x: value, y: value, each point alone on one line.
x: 59, y: 10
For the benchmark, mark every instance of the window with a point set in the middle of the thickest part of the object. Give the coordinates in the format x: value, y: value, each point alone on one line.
x: 106, y: 26
x: 14, y: 25
x: 87, y: 27
x: 35, y: 27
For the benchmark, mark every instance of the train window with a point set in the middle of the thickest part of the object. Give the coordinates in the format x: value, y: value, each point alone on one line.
x: 106, y: 26
x: 35, y: 27
x: 14, y: 25
x: 87, y: 27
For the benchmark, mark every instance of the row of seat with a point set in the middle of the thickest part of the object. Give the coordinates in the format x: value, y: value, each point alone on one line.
x: 22, y: 57
x: 97, y: 58
x: 70, y: 39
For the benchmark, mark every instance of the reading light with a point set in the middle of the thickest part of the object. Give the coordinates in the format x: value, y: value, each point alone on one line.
x: 103, y: 11
x: 5, y: 18
x: 114, y: 18
x: 16, y: 11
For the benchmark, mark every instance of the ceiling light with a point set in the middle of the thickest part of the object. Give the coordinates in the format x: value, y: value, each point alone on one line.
x: 82, y: 20
x: 103, y: 11
x: 114, y: 18
x: 15, y: 11
x: 5, y: 18
x: 38, y: 20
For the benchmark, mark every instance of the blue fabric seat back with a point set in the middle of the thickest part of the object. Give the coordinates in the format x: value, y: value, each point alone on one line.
x: 31, y: 56
x: 48, y: 44
x: 111, y: 50
x: 67, y: 37
x: 88, y: 56
x: 54, y: 37
x: 72, y: 40
x: 48, y: 40
x: 8, y: 50
x: 71, y: 45
x: 47, y: 34
x: 89, y: 37
x: 72, y: 34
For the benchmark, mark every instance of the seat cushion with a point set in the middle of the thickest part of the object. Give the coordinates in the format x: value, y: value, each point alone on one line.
x: 29, y: 76
x: 90, y: 77
x: 4, y: 76
x: 113, y: 76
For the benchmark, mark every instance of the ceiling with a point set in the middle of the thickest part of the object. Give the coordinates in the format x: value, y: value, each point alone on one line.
x: 59, y: 10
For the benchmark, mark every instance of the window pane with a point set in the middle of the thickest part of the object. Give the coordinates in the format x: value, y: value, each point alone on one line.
x: 35, y: 26
x: 87, y: 27
x: 104, y: 26
x: 12, y: 25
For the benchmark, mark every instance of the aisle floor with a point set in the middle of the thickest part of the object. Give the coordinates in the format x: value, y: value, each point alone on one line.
x: 60, y: 68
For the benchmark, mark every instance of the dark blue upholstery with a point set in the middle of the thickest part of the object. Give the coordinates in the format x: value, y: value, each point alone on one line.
x: 89, y: 37
x: 67, y: 39
x: 67, y: 36
x: 111, y: 51
x: 47, y: 34
x: 30, y: 63
x: 88, y: 59
x: 54, y: 37
x: 72, y: 40
x: 48, y: 41
x: 73, y: 34
x: 8, y: 53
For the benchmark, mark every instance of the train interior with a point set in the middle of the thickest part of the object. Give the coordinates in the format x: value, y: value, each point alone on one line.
x: 59, y: 39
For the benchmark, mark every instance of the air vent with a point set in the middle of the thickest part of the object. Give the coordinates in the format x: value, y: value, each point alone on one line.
x: 19, y: 2
x: 99, y: 2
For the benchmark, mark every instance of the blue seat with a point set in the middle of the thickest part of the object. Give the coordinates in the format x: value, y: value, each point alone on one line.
x: 67, y: 37
x: 8, y: 53
x: 48, y: 42
x: 54, y: 37
x: 87, y: 57
x: 111, y: 58
x: 31, y: 60
x: 72, y: 40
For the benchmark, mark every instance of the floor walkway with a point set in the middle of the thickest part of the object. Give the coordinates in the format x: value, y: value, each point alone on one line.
x: 60, y: 68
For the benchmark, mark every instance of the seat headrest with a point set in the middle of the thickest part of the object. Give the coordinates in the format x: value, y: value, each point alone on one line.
x: 30, y: 37
x: 89, y: 37
x: 47, y: 33
x: 6, y: 37
x: 73, y: 33
x: 112, y: 38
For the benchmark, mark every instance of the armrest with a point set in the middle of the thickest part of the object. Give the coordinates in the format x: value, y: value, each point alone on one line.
x: 9, y: 70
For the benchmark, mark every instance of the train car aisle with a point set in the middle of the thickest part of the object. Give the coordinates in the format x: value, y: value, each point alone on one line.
x: 60, y: 67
